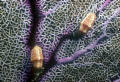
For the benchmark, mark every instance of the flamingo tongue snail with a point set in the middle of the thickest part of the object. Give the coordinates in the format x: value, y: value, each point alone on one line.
x: 37, y: 57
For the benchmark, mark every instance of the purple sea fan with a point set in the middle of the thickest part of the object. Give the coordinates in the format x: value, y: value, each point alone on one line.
x: 44, y: 23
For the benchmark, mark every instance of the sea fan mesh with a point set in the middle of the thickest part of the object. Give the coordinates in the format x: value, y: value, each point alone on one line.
x: 60, y: 17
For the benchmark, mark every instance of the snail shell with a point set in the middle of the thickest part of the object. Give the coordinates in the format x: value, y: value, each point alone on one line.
x: 37, y: 57
x: 87, y: 23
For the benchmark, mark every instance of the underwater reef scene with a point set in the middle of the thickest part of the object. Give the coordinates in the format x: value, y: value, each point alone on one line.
x: 52, y: 25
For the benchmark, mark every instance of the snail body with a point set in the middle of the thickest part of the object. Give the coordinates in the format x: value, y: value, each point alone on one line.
x: 87, y: 23
x: 37, y: 57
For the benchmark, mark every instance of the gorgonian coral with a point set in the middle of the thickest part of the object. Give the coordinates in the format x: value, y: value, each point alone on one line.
x: 25, y: 24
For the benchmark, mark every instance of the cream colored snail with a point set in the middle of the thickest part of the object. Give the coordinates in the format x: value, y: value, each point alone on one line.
x: 87, y: 23
x: 37, y: 57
